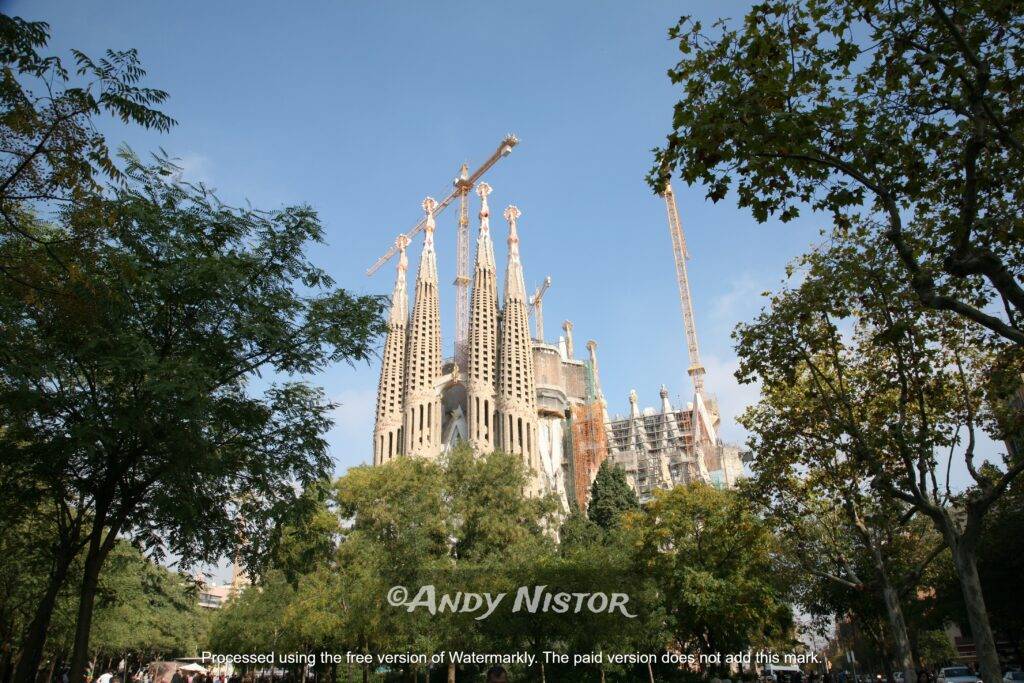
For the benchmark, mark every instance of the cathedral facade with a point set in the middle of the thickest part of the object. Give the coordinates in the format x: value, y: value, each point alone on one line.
x: 509, y: 391
x: 425, y: 404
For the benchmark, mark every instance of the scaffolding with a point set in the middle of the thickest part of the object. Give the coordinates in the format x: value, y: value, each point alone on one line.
x: 661, y: 449
x: 588, y: 440
x: 589, y: 448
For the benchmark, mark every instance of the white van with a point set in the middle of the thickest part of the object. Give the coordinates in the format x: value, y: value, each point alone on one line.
x: 783, y: 673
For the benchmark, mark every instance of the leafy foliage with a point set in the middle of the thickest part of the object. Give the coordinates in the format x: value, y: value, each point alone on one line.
x: 611, y: 496
x: 711, y: 558
x: 51, y: 153
x: 127, y: 393
x: 459, y: 524
x: 906, y: 116
x: 865, y: 389
x: 143, y: 610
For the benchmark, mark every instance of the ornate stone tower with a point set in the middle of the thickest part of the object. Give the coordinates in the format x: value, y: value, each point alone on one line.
x: 670, y: 431
x: 483, y: 337
x: 517, y: 393
x: 422, y: 424
x: 387, y: 434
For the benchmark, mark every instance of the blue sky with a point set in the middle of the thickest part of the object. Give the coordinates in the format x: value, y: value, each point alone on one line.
x: 362, y: 109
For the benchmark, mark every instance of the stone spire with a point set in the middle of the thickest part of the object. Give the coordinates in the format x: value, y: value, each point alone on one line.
x: 670, y: 427
x: 634, y: 407
x: 567, y: 328
x: 517, y: 398
x: 637, y: 429
x: 387, y: 433
x: 598, y: 393
x: 666, y: 407
x: 483, y: 338
x: 422, y: 424
x: 592, y: 350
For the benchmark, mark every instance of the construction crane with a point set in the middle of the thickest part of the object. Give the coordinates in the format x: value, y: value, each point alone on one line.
x: 681, y: 254
x: 536, y: 305
x: 461, y: 187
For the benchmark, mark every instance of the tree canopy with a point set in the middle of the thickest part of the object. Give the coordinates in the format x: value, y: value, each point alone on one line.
x: 611, y: 496
x: 141, y: 319
x: 906, y: 116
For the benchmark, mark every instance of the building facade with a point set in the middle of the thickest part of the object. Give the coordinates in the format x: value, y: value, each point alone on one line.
x: 666, y: 447
x: 515, y: 393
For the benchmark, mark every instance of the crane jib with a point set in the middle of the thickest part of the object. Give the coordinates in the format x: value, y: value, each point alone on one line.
x: 504, y: 149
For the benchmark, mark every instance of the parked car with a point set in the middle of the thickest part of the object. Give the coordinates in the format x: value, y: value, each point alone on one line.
x: 957, y: 674
x: 1013, y: 677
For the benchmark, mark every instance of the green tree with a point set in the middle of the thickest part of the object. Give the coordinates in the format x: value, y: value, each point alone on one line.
x: 306, y: 538
x: 254, y: 621
x: 1001, y: 564
x: 460, y: 523
x: 494, y: 529
x: 53, y: 159
x: 909, y: 114
x: 126, y: 391
x: 142, y: 609
x: 936, y: 649
x: 578, y: 531
x: 896, y: 390
x: 399, y: 535
x: 488, y: 510
x: 711, y: 558
x: 821, y: 499
x: 610, y: 496
x: 24, y: 567
x: 53, y: 155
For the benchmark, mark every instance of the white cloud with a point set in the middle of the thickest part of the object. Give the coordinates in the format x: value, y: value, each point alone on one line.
x: 195, y: 168
x: 741, y: 301
x: 733, y: 397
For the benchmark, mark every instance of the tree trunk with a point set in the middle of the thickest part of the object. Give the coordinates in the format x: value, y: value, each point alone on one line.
x: 35, y: 637
x: 981, y: 631
x: 451, y: 672
x: 898, y: 628
x: 650, y: 672
x: 86, y: 600
x: 891, y: 597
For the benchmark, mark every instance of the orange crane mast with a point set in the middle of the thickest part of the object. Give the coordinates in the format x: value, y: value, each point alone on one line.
x: 681, y: 254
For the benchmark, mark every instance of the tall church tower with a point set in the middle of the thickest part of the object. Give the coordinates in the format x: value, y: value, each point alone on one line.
x: 422, y: 424
x: 483, y: 337
x: 517, y: 397
x: 387, y: 434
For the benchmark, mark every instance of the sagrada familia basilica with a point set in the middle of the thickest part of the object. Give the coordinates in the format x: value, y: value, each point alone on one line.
x: 507, y: 390
x: 495, y: 406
